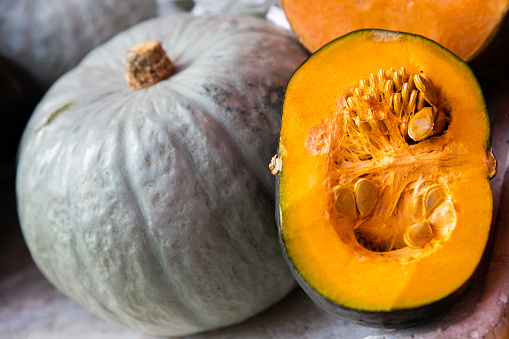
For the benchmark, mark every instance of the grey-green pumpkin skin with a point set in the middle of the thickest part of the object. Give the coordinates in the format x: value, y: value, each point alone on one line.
x: 154, y: 208
x: 49, y: 37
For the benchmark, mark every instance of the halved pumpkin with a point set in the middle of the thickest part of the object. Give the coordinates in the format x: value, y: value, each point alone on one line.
x: 384, y: 161
x: 465, y: 27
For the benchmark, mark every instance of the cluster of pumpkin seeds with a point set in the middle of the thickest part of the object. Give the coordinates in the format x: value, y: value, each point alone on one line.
x: 429, y: 202
x: 426, y: 205
x: 359, y: 201
x: 388, y: 109
x: 429, y: 213
x: 384, y: 114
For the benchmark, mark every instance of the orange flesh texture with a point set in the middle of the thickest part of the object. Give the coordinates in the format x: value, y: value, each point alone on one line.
x: 464, y: 27
x: 328, y: 257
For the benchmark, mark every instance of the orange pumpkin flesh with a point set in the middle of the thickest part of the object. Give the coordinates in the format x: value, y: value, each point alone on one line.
x: 369, y: 260
x: 464, y: 27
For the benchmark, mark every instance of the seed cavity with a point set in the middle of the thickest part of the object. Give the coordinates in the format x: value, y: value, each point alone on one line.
x: 387, y: 114
x: 422, y: 210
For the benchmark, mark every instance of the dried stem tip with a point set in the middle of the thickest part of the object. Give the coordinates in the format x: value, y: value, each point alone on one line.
x: 146, y: 64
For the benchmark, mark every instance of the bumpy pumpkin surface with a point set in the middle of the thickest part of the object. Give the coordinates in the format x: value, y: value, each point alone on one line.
x: 153, y: 207
x: 383, y: 171
x: 465, y: 27
x: 49, y: 38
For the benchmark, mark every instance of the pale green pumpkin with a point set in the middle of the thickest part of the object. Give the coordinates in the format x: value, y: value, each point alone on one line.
x: 153, y: 208
x: 49, y: 37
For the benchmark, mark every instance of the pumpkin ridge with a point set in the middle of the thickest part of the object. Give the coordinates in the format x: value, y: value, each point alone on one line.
x: 261, y: 189
x: 97, y: 281
x: 156, y: 258
x: 208, y: 192
x: 218, y: 117
x: 76, y: 255
x: 186, y: 312
x: 119, y: 127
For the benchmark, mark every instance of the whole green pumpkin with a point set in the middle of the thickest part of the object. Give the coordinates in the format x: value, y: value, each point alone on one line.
x: 49, y: 37
x: 153, y: 208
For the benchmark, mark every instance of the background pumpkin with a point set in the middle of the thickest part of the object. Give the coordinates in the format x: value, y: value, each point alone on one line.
x: 465, y: 27
x: 154, y: 208
x: 50, y: 37
x: 19, y: 94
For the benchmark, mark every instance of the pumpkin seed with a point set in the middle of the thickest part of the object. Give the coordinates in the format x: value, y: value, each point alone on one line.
x: 345, y: 202
x: 433, y: 198
x: 381, y: 76
x: 397, y: 104
x: 440, y: 122
x: 412, y: 102
x: 417, y: 208
x: 403, y: 74
x: 418, y: 205
x: 373, y: 79
x: 420, y: 101
x: 425, y: 86
x: 364, y: 84
x: 351, y: 102
x: 425, y: 185
x: 410, y: 81
x: 405, y: 94
x: 375, y: 90
x: 366, y: 196
x: 418, y: 235
x: 389, y: 87
x: 357, y: 92
x: 443, y: 219
x: 421, y: 124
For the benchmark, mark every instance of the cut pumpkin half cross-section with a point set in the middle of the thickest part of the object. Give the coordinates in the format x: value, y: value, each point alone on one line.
x: 383, y: 169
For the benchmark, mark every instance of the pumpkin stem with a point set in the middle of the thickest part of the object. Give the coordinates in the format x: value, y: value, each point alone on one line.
x: 147, y: 64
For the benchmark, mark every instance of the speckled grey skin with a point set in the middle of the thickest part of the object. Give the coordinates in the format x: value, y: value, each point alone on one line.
x: 154, y: 208
x: 49, y: 37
